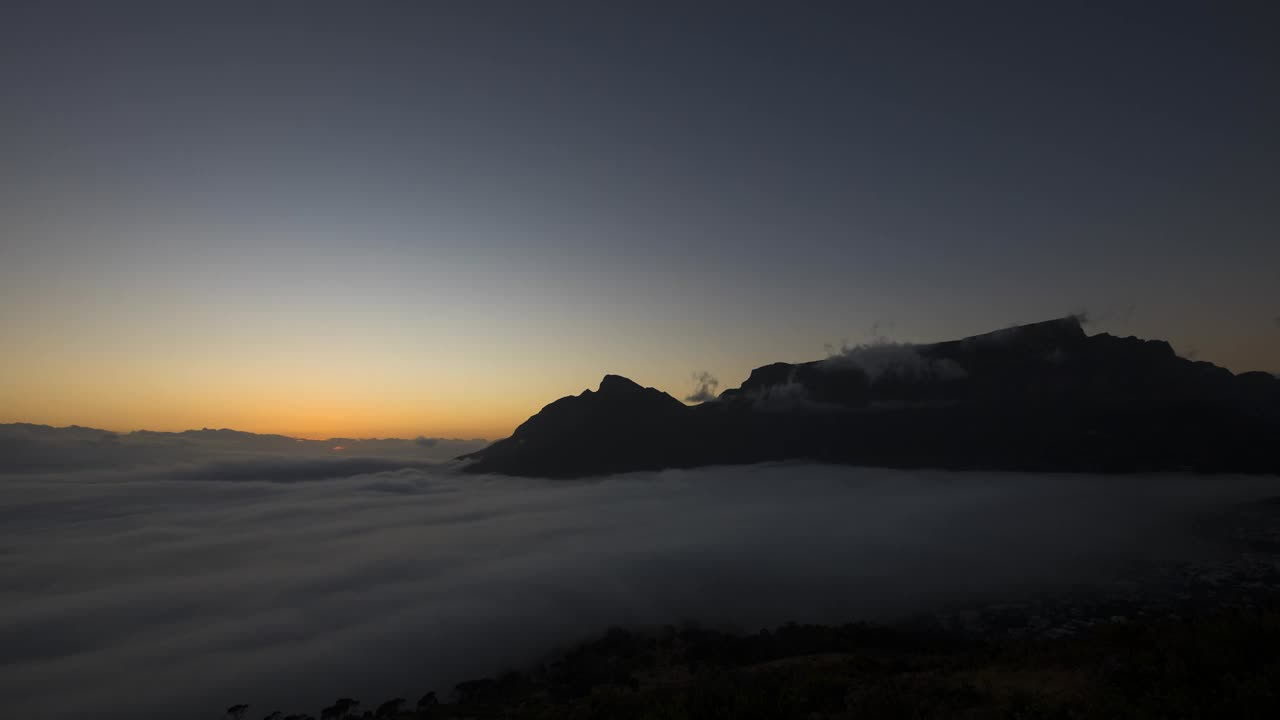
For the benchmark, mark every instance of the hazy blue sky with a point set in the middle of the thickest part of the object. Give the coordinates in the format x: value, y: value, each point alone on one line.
x: 403, y: 217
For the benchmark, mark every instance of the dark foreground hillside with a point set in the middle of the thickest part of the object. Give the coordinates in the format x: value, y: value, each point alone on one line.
x: 1220, y: 665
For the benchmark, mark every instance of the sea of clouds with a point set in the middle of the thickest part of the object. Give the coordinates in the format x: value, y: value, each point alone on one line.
x: 175, y: 592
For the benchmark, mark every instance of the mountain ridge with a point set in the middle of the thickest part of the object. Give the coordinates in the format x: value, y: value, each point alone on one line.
x: 1043, y: 396
x: 30, y: 447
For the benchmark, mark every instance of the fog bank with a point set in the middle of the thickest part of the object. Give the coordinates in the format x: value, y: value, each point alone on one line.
x: 183, y: 591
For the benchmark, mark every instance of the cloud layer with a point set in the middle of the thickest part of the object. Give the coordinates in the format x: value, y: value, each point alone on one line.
x: 885, y: 357
x: 183, y: 591
x: 706, y: 388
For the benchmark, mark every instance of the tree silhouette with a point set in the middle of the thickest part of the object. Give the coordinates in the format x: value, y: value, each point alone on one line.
x: 274, y: 716
x: 428, y: 700
x: 390, y: 708
x: 236, y: 712
x: 341, y: 708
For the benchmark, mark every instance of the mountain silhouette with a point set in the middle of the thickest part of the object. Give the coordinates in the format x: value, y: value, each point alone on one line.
x: 1038, y: 397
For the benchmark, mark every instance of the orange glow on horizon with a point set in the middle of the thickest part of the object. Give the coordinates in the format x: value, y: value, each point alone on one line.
x: 274, y: 414
x: 297, y: 387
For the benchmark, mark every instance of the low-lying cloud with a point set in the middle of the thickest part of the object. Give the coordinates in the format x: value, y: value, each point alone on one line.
x: 178, y: 592
x: 705, y: 390
x: 901, y: 360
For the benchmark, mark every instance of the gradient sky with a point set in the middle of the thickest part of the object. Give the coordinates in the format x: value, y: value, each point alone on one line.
x: 401, y: 218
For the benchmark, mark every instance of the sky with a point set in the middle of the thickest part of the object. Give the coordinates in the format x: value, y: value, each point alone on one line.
x: 401, y: 219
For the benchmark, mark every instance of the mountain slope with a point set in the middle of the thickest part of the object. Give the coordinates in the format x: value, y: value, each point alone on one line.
x: 1044, y: 396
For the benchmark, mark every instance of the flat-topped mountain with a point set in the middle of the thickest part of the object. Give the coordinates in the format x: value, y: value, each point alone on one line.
x: 1044, y: 396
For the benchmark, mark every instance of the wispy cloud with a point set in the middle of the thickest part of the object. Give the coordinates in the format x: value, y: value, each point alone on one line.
x: 705, y: 389
x: 885, y: 357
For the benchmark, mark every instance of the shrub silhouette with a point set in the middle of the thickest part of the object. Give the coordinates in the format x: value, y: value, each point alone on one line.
x: 341, y: 708
x: 236, y: 712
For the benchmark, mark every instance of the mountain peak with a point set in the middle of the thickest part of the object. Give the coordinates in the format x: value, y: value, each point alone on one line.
x: 617, y: 384
x: 1048, y: 332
